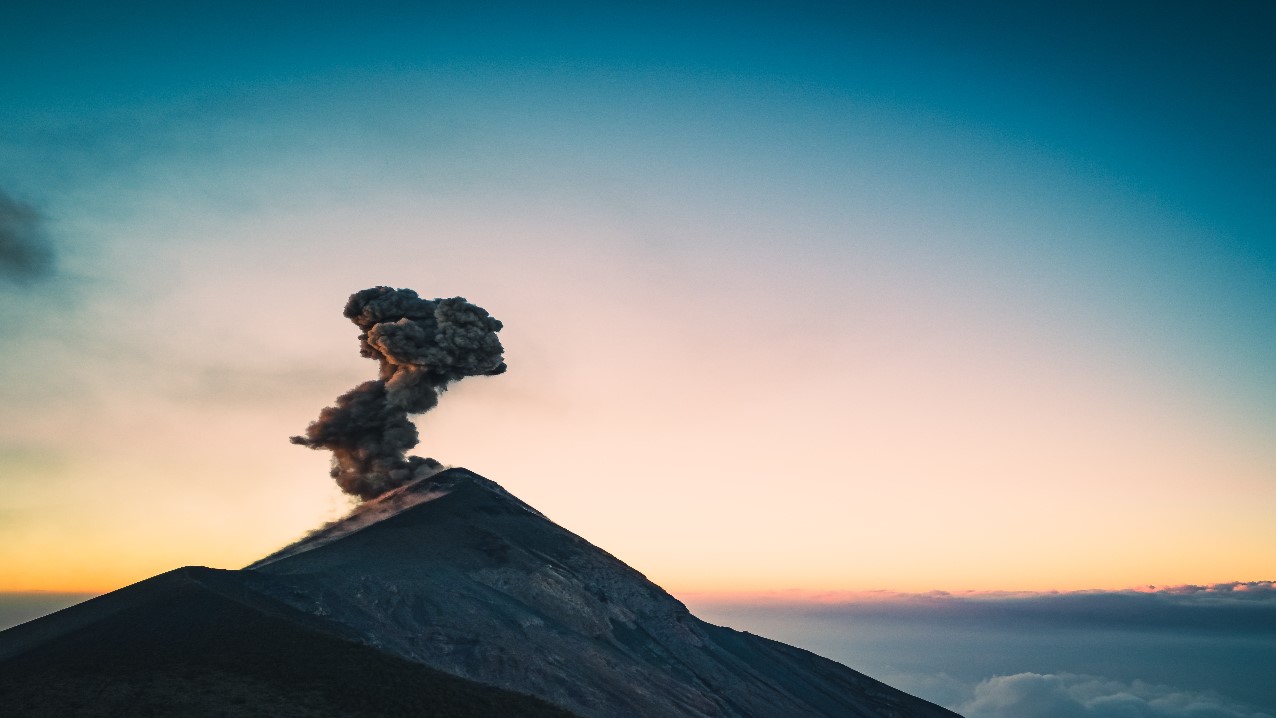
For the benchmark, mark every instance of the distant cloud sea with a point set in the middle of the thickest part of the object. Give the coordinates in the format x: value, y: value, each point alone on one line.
x: 1159, y: 652
x: 1025, y: 695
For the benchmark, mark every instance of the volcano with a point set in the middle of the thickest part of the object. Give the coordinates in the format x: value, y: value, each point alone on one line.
x: 447, y: 596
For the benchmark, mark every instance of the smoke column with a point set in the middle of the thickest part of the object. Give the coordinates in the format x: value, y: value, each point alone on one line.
x: 422, y: 346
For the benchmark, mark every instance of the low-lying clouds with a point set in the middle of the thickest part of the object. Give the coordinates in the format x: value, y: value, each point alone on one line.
x: 1033, y: 695
x: 25, y: 252
x: 1248, y: 607
x: 1191, y: 651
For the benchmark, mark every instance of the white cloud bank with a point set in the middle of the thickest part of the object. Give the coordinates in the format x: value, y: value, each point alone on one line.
x: 1064, y: 695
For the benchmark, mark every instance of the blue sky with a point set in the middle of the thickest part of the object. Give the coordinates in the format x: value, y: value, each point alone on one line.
x: 1137, y: 133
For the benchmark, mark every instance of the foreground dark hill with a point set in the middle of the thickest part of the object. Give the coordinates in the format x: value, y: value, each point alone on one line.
x: 439, y: 598
x: 195, y: 642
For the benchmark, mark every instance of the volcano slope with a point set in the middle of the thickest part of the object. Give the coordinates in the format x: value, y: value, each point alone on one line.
x: 455, y: 576
x: 194, y: 642
x: 471, y: 581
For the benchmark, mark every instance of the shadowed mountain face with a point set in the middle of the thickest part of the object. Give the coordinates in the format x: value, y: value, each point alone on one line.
x: 195, y: 642
x: 457, y: 575
x: 477, y: 584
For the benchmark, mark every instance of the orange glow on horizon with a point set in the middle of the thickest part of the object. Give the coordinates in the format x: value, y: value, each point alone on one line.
x: 645, y: 429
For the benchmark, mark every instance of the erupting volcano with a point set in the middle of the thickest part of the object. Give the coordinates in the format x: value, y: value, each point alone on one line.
x: 441, y: 594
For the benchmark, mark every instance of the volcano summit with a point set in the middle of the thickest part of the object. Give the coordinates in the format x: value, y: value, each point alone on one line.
x: 445, y: 597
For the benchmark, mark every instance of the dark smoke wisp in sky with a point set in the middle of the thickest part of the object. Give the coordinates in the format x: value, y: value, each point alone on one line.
x: 25, y: 253
x: 422, y: 346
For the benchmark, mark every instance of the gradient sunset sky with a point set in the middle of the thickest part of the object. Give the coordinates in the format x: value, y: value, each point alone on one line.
x: 809, y: 296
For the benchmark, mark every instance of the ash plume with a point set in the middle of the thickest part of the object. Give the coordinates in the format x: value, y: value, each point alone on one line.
x: 422, y: 346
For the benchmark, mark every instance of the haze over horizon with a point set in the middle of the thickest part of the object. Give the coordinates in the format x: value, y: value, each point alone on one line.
x: 898, y: 297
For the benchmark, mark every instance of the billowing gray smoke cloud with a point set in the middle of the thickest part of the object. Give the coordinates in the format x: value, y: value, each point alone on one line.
x: 422, y: 345
x: 24, y: 251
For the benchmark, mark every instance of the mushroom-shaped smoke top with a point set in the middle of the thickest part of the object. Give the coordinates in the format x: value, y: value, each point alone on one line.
x: 422, y: 346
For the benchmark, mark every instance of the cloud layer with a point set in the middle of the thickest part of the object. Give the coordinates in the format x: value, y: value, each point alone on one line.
x: 1039, y: 654
x: 1244, y: 607
x: 1034, y: 695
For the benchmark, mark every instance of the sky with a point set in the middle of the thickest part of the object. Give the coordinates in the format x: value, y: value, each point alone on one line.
x: 803, y: 296
x: 938, y: 338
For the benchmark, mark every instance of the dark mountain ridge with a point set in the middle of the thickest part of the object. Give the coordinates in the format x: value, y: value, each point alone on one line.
x: 457, y: 575
x: 197, y: 642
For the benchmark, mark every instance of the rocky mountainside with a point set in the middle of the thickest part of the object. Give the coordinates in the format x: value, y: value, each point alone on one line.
x: 477, y: 584
x: 456, y: 575
x: 197, y: 643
